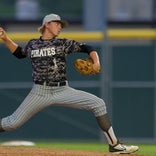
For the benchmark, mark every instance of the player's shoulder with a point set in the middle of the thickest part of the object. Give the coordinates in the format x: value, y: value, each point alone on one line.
x: 65, y: 40
x: 61, y: 41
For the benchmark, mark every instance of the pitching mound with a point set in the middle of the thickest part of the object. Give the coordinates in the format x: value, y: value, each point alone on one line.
x: 31, y: 151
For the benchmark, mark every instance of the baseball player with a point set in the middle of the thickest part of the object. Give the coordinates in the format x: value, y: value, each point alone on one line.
x: 48, y: 58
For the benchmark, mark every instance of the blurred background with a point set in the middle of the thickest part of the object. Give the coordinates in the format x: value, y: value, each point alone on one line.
x: 127, y: 82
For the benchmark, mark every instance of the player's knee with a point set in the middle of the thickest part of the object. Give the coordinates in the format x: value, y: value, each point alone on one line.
x: 12, y: 125
x: 99, y: 107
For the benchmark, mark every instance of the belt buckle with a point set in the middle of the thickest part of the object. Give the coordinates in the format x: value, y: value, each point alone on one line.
x: 59, y: 84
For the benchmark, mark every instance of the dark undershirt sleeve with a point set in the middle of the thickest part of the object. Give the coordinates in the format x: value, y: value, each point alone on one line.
x: 19, y: 53
x: 87, y: 48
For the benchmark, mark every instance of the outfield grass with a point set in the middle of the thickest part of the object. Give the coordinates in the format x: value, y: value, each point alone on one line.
x: 145, y: 149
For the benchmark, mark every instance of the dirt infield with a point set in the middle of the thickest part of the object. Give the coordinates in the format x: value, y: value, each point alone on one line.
x: 29, y: 151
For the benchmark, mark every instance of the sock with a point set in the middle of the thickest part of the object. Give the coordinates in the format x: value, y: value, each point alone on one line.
x: 107, y: 129
x: 110, y: 136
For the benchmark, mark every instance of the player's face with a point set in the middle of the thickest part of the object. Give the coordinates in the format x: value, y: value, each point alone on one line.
x: 55, y: 28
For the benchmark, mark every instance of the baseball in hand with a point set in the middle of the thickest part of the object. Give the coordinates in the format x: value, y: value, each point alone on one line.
x: 1, y: 33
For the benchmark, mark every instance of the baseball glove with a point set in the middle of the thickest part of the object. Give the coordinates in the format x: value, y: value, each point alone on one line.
x: 85, y: 66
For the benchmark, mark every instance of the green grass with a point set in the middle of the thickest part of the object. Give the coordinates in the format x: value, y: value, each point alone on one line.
x: 145, y: 149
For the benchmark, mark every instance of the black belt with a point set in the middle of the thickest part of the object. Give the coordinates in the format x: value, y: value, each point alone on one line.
x: 52, y: 84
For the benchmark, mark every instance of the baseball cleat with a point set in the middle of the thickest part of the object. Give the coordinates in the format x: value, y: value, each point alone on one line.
x: 123, y: 149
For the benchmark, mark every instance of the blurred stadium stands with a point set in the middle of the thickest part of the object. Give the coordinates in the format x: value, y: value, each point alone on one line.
x: 120, y: 12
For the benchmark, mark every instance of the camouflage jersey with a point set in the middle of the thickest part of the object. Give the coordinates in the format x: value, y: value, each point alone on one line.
x: 48, y: 57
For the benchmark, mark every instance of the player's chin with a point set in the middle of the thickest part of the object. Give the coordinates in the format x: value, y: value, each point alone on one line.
x: 57, y: 33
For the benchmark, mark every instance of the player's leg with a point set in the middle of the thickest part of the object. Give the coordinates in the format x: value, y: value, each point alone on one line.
x: 83, y: 100
x: 33, y: 103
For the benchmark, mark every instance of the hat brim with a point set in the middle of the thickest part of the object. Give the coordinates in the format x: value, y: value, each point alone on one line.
x: 63, y: 22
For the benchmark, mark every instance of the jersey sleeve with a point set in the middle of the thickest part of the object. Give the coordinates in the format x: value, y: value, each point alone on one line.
x: 72, y: 46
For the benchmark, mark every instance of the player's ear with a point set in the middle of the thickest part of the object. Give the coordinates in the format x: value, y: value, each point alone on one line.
x: 46, y: 24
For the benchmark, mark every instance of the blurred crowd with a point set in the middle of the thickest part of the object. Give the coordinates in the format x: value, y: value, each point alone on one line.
x: 117, y: 9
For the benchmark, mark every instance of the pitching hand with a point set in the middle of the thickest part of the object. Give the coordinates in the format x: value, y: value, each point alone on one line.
x: 2, y: 34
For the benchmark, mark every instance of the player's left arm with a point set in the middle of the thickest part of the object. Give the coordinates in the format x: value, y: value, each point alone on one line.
x: 93, y: 55
x: 73, y: 46
x: 96, y: 62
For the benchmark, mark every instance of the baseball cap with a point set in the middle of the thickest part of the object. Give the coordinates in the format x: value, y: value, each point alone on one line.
x: 54, y: 18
